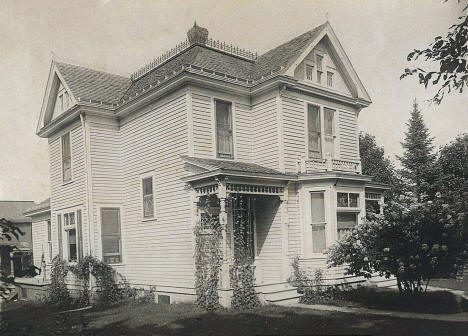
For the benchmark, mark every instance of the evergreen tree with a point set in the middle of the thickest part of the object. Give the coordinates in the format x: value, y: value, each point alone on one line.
x: 418, y: 158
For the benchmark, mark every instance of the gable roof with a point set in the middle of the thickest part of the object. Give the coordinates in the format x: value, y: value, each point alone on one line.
x: 88, y: 84
x: 13, y: 211
x: 284, y: 55
x: 213, y: 164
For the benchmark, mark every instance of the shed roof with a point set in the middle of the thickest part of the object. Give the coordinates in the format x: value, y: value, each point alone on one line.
x: 42, y: 206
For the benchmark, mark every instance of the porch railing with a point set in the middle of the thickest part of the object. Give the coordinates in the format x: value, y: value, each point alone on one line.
x: 329, y: 164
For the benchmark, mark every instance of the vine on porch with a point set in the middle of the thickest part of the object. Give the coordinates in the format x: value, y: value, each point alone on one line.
x: 242, y: 271
x: 208, y: 254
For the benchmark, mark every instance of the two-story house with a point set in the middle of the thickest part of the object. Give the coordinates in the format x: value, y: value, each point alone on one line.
x: 131, y: 157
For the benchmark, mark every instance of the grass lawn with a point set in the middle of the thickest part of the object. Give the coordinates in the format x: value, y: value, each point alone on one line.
x: 185, y: 319
x: 434, y: 302
x: 451, y: 283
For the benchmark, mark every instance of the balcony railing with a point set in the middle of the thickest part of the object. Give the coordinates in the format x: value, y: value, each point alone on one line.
x: 329, y: 164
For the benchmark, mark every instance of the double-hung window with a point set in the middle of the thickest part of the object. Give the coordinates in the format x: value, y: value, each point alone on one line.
x: 314, y: 131
x: 147, y: 196
x: 321, y: 136
x: 330, y: 78
x: 347, y: 213
x: 66, y: 158
x: 318, y: 223
x: 224, y: 139
x: 309, y: 72
x: 111, y: 235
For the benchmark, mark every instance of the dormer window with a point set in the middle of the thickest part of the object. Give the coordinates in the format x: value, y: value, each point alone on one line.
x: 319, y: 61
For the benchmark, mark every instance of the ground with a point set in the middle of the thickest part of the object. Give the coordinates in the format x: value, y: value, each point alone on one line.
x: 185, y: 319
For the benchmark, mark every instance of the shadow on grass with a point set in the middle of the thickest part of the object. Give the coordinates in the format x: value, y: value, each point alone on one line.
x: 153, y: 319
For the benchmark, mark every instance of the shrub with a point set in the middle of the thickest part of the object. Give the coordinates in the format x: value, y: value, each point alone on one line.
x: 57, y: 293
x: 414, y: 242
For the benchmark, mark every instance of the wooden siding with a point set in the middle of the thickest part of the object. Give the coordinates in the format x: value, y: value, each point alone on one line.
x: 39, y: 240
x: 294, y: 228
x: 348, y: 135
x: 70, y: 194
x: 202, y: 125
x: 294, y: 132
x: 243, y: 132
x: 265, y: 130
x: 160, y: 251
x: 268, y: 225
x: 107, y: 184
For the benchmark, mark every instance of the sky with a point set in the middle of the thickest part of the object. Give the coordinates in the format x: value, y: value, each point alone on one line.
x: 121, y: 36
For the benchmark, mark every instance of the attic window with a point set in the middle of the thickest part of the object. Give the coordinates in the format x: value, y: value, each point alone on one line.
x: 319, y: 60
x: 329, y: 78
x: 309, y: 72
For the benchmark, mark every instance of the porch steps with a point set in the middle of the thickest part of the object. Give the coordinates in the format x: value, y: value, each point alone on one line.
x: 7, y: 292
x: 279, y: 292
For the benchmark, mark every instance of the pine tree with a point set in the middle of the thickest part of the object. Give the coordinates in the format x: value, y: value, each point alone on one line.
x: 418, y: 158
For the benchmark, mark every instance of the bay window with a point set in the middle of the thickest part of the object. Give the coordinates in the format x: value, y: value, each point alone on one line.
x: 347, y: 212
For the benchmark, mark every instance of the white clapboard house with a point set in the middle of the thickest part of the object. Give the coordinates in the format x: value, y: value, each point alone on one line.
x: 131, y: 157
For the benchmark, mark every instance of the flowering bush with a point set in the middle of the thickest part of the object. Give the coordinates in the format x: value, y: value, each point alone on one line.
x: 414, y: 242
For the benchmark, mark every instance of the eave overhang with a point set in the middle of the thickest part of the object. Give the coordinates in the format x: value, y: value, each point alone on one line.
x: 238, y: 174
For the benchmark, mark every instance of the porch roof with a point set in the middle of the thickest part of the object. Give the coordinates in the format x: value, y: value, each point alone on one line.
x: 215, y: 167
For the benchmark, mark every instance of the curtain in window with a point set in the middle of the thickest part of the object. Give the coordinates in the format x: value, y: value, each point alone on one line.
x: 314, y: 131
x: 110, y: 228
x: 345, y: 223
x: 224, y: 129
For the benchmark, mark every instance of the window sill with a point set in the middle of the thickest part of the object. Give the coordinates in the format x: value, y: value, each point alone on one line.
x: 152, y: 219
x: 118, y: 264
x: 64, y: 183
x: 342, y: 209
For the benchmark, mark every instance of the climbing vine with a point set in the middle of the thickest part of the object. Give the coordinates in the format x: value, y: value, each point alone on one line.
x: 242, y: 271
x: 58, y: 293
x: 208, y: 254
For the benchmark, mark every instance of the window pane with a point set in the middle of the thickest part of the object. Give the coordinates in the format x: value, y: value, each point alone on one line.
x: 354, y: 200
x: 80, y: 233
x: 314, y: 146
x: 309, y: 72
x: 59, y: 235
x: 319, y: 59
x: 319, y: 242
x: 49, y: 231
x: 72, y: 245
x: 346, y: 220
x: 342, y: 199
x: 110, y: 221
x: 148, y: 186
x: 330, y: 145
x: 330, y: 79
x: 314, y: 119
x: 111, y: 245
x: 317, y: 207
x: 328, y: 120
x: 110, y: 226
x: 66, y: 145
x: 148, y: 208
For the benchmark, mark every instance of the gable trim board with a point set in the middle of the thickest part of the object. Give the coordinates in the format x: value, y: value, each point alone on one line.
x: 355, y: 83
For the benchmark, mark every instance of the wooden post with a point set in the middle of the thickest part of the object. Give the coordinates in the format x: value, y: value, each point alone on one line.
x: 285, y: 233
x: 222, y: 194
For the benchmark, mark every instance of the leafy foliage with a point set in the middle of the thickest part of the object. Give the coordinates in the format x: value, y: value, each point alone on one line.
x: 418, y: 158
x: 58, y: 293
x: 9, y: 231
x: 451, y: 54
x: 208, y: 255
x: 376, y: 164
x: 242, y: 271
x: 412, y: 241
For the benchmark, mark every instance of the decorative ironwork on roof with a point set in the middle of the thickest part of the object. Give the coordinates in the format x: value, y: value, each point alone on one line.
x: 195, y: 36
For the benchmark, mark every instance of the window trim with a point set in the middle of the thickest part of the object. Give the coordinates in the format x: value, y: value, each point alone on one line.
x: 144, y: 176
x: 61, y: 158
x: 62, y: 232
x: 121, y: 215
x: 312, y: 65
x: 307, y: 239
x: 215, y: 128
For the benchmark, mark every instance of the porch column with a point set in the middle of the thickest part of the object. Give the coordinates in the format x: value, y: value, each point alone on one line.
x: 222, y: 194
x: 286, y: 267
